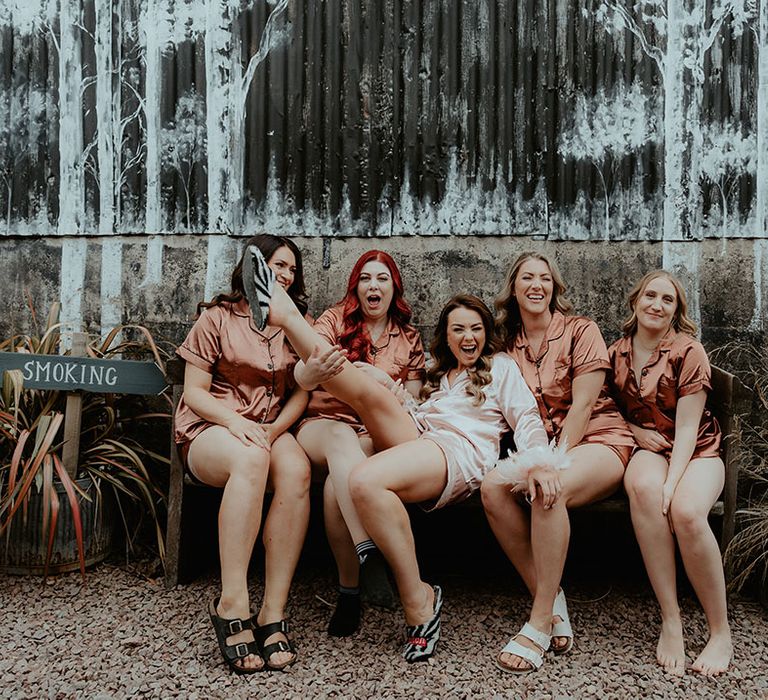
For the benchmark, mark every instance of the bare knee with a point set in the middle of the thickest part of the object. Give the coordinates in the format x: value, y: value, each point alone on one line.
x: 495, y: 494
x: 291, y: 477
x: 249, y: 470
x: 688, y: 520
x: 644, y: 492
x: 362, y: 486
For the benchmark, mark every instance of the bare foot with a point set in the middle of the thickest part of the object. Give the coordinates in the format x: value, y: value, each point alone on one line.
x: 242, y: 612
x: 670, y: 651
x: 423, y: 612
x: 281, y: 307
x: 714, y: 657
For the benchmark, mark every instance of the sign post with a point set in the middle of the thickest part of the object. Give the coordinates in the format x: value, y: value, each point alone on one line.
x: 73, y: 416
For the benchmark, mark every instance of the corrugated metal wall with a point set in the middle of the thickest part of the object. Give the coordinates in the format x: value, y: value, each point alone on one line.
x: 376, y: 118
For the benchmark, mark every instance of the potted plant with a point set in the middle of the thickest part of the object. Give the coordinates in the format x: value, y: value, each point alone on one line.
x: 50, y: 521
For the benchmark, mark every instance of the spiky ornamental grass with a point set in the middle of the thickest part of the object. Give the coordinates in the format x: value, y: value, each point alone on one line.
x: 30, y: 455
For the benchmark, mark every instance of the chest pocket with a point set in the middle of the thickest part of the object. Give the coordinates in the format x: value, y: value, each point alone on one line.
x: 666, y: 394
x: 560, y: 386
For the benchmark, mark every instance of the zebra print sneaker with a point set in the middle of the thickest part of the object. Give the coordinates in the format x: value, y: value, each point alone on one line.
x: 421, y: 639
x: 258, y: 281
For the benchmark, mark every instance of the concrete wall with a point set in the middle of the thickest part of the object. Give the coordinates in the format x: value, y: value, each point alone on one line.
x: 598, y: 275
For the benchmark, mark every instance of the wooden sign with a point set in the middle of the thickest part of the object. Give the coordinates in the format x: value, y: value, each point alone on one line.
x: 67, y: 373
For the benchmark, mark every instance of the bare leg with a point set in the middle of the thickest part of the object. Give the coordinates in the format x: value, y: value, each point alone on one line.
x: 595, y: 473
x: 413, y: 472
x: 219, y: 459
x: 386, y: 420
x: 697, y: 491
x: 340, y: 447
x: 338, y: 537
x: 511, y: 523
x: 644, y: 479
x: 284, y: 532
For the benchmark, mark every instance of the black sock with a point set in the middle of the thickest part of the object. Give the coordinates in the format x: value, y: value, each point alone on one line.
x: 346, y: 617
x: 364, y: 549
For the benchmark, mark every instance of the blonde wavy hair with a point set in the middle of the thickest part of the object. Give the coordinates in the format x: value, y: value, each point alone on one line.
x: 444, y: 360
x: 508, y: 320
x: 680, y: 320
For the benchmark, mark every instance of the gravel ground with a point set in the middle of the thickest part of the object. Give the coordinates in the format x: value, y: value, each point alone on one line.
x: 124, y: 635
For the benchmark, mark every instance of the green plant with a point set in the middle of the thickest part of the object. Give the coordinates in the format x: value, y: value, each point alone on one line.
x: 746, y: 557
x: 31, y: 447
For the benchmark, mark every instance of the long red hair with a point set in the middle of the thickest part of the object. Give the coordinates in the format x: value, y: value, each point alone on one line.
x: 354, y: 338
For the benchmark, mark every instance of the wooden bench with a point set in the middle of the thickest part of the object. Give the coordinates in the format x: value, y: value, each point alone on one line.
x: 724, y: 402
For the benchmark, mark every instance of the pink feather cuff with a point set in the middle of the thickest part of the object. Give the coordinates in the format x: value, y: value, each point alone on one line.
x: 516, y: 466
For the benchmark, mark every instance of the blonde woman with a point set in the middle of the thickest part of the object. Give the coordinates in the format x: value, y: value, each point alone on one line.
x: 563, y: 360
x: 661, y: 376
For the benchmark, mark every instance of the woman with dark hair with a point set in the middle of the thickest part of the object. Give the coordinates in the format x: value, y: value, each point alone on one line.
x: 371, y: 324
x: 661, y: 376
x: 434, y: 454
x: 563, y: 359
x: 231, y: 430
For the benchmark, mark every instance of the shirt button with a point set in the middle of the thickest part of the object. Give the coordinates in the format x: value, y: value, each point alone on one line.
x: 269, y: 392
x: 269, y: 366
x: 644, y: 372
x: 538, y: 389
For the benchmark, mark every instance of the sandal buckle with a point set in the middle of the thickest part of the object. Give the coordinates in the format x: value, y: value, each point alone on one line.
x: 241, y: 650
x: 235, y: 626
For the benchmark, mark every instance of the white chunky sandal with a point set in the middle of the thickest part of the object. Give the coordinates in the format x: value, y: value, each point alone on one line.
x: 561, y: 629
x: 533, y: 657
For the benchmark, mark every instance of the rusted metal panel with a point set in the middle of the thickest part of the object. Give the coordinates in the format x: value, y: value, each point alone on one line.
x: 365, y: 116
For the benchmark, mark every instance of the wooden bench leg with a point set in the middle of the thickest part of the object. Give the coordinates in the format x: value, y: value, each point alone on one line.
x: 175, y: 501
x: 731, y: 484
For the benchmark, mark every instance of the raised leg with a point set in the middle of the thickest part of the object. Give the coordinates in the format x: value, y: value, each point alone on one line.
x: 386, y: 420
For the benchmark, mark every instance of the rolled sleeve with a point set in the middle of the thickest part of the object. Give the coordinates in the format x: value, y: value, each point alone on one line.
x: 695, y: 373
x: 589, y: 352
x: 202, y: 346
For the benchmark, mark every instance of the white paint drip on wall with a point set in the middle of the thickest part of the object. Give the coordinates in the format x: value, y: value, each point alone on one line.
x: 71, y: 194
x: 153, y: 30
x: 219, y: 266
x: 153, y: 274
x: 111, y: 285
x: 760, y: 313
x: 73, y: 258
x: 681, y: 258
x: 105, y: 116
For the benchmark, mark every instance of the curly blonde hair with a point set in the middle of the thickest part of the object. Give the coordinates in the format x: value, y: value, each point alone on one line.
x: 444, y: 360
x: 680, y: 321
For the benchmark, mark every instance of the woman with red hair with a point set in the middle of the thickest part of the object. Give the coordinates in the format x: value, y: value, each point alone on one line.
x: 371, y: 325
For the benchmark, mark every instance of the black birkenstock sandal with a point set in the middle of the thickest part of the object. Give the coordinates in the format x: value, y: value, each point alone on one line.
x: 263, y: 632
x: 234, y: 653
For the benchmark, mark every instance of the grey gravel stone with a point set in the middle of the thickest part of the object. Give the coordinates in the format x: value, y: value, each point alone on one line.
x: 121, y: 636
